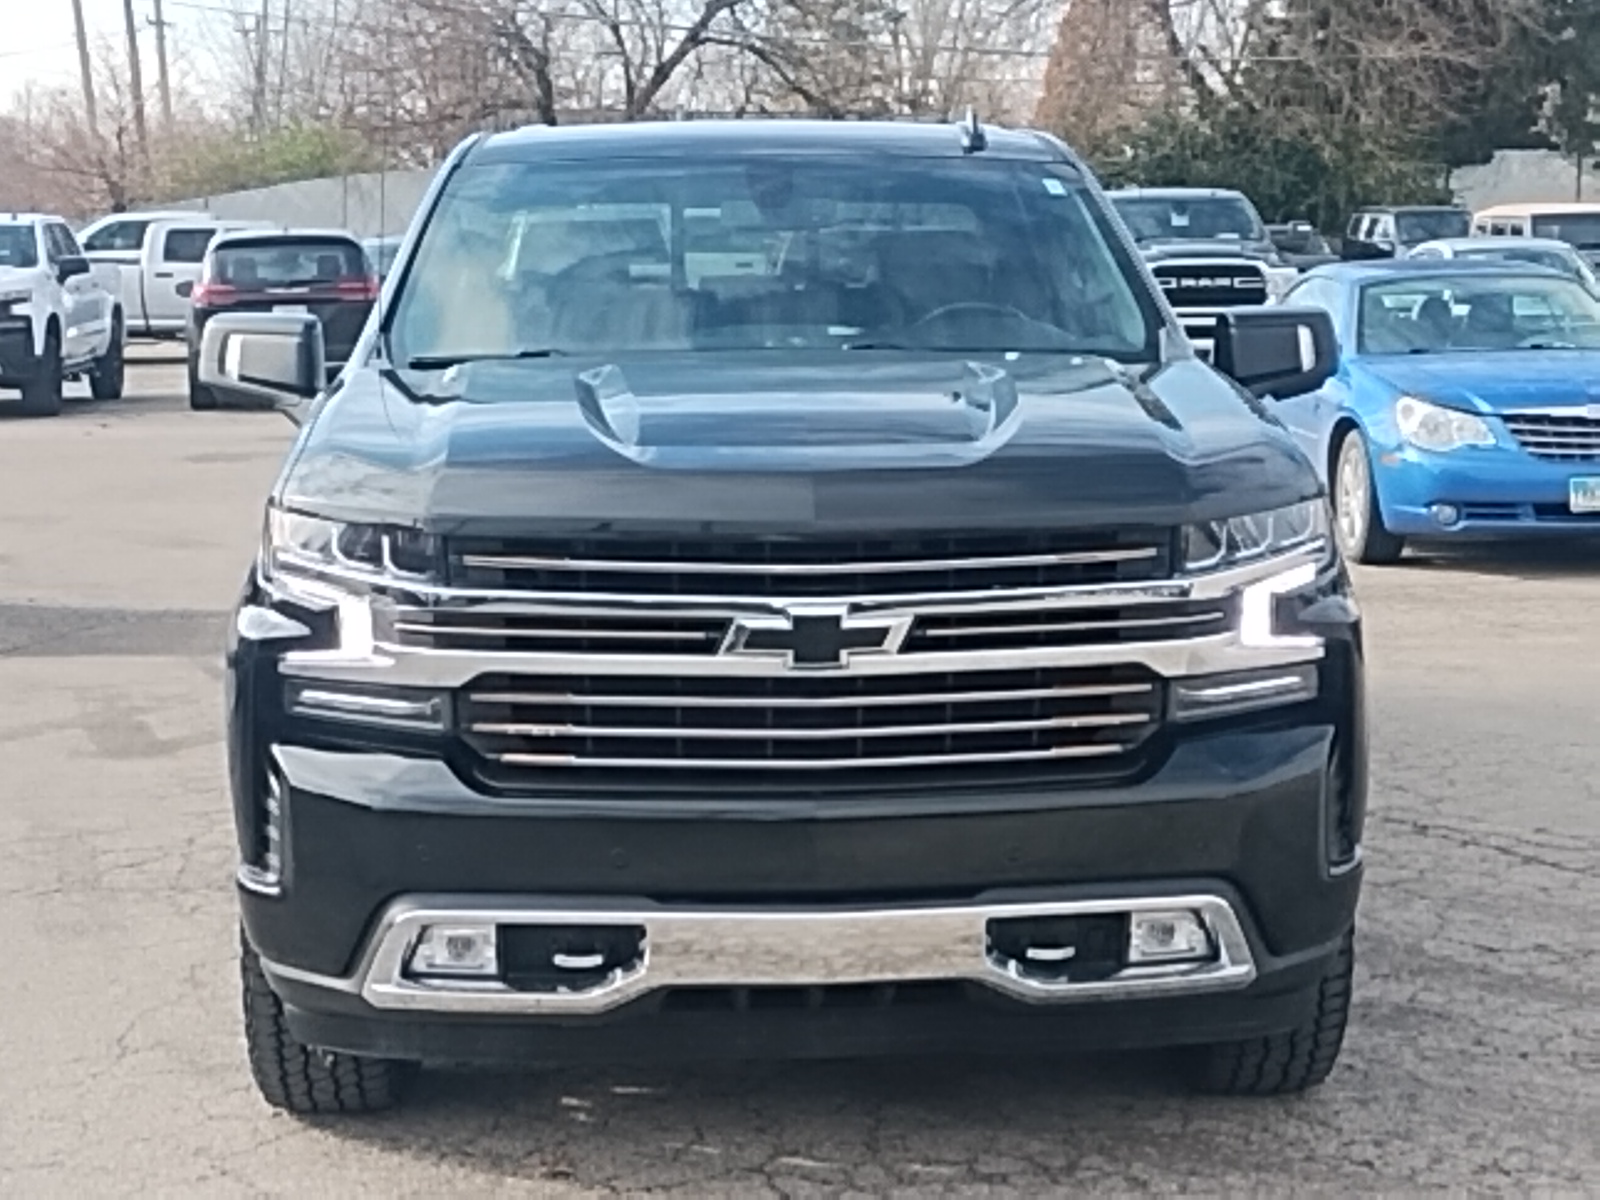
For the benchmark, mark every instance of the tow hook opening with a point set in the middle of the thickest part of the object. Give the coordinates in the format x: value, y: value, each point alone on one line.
x: 1066, y: 949
x: 568, y: 958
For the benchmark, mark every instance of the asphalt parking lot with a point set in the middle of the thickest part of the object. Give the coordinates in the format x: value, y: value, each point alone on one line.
x: 125, y: 528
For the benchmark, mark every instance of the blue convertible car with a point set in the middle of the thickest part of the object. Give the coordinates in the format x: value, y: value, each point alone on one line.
x: 1467, y: 402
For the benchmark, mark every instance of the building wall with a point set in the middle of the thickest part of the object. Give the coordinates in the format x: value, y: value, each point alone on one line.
x: 1524, y: 177
x: 366, y: 205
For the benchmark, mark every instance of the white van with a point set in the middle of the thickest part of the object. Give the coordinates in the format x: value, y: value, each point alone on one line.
x: 156, y: 252
x: 1576, y: 224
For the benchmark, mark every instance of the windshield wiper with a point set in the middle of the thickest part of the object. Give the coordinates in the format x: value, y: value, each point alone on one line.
x: 438, y: 362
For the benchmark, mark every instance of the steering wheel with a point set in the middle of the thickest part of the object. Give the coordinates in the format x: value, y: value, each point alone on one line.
x: 981, y: 306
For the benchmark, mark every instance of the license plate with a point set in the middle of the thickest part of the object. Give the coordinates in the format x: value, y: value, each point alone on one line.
x: 1583, y: 494
x: 298, y: 309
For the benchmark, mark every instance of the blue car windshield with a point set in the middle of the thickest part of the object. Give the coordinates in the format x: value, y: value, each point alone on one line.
x: 1443, y: 314
x: 771, y: 252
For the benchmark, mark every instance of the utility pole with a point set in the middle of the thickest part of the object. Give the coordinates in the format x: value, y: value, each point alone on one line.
x: 163, y: 81
x: 86, y: 73
x: 258, y: 98
x: 136, y: 81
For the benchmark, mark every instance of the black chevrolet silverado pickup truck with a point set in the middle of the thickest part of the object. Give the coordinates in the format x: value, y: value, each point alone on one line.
x: 787, y: 588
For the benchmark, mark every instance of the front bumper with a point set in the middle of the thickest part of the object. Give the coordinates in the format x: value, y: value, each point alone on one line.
x: 827, y: 983
x: 756, y: 901
x: 19, y: 362
x: 1485, y: 492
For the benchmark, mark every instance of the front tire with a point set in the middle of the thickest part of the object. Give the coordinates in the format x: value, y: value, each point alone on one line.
x: 1357, y: 518
x: 299, y: 1078
x: 41, y: 395
x: 107, y: 377
x: 201, y: 398
x: 1293, y: 1061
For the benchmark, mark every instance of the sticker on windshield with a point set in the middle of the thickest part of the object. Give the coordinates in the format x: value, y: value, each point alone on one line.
x: 1055, y: 187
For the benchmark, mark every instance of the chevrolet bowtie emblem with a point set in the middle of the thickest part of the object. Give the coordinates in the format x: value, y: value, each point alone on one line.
x: 815, y: 637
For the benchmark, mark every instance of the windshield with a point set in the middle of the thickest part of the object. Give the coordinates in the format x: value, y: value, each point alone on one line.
x: 119, y: 235
x: 1414, y: 228
x: 770, y: 251
x: 381, y: 252
x: 285, y: 263
x: 18, y: 247
x: 1438, y: 315
x: 1154, y: 218
x: 1577, y: 229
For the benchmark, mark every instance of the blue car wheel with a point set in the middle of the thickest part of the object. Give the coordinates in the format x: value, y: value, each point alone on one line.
x: 1358, y: 520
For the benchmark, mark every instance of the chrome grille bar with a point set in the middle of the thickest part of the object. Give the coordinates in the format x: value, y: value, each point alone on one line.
x: 1145, y: 623
x: 1098, y: 750
x: 899, y: 700
x: 778, y: 733
x: 515, y: 562
x: 1556, y: 434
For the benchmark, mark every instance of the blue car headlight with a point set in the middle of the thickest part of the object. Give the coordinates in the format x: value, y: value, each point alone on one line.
x: 1433, y: 427
x: 1208, y: 545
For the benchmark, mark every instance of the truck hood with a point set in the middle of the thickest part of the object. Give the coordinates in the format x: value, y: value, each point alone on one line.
x: 1160, y: 251
x: 18, y: 279
x: 1495, y: 381
x: 755, y: 443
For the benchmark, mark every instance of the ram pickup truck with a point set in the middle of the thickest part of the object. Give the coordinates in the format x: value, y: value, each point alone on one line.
x: 60, y: 317
x: 898, y: 642
x: 1209, y: 251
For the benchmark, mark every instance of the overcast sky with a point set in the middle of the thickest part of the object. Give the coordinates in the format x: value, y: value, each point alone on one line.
x: 37, y: 42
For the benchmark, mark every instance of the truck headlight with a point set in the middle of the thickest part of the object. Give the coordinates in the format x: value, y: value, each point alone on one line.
x: 1433, y: 427
x: 335, y: 553
x: 1233, y: 540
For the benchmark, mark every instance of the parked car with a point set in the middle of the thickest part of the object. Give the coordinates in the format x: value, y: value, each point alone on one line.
x: 1393, y: 232
x: 59, y: 317
x: 1467, y: 402
x: 323, y: 273
x: 1300, y: 245
x: 1541, y: 252
x: 156, y: 257
x: 905, y: 642
x: 1208, y: 249
x: 1576, y: 224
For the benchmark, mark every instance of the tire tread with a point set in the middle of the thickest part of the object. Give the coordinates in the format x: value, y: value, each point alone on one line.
x: 298, y: 1078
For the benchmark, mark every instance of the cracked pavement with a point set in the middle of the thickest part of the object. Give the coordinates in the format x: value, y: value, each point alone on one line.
x: 1473, y: 1061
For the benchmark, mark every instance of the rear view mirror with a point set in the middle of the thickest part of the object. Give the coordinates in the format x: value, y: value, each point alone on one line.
x: 257, y: 360
x: 69, y: 265
x: 1279, y: 352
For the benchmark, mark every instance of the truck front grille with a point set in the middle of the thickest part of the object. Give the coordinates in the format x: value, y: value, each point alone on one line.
x: 796, y: 723
x: 804, y: 569
x: 1560, y: 437
x: 602, y: 632
x: 1212, y: 285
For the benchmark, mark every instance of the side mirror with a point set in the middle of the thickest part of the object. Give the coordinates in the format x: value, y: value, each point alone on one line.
x: 1279, y: 352
x: 256, y: 360
x: 69, y: 265
x: 185, y: 289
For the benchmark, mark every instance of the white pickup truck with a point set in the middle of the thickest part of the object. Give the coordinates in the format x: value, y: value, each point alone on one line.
x: 60, y: 315
x: 154, y: 255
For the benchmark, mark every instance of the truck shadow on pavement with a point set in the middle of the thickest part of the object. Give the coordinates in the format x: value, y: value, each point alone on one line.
x: 1509, y: 558
x: 743, y: 1129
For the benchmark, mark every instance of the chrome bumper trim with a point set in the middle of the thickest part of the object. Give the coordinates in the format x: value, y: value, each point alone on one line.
x: 709, y: 947
x: 402, y: 666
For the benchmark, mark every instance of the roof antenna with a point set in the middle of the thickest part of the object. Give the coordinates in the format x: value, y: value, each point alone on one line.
x: 973, y: 138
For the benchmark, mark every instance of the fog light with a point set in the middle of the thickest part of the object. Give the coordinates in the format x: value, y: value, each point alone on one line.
x: 457, y: 950
x: 395, y: 707
x: 1223, y: 695
x: 1164, y: 937
x: 1445, y: 514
